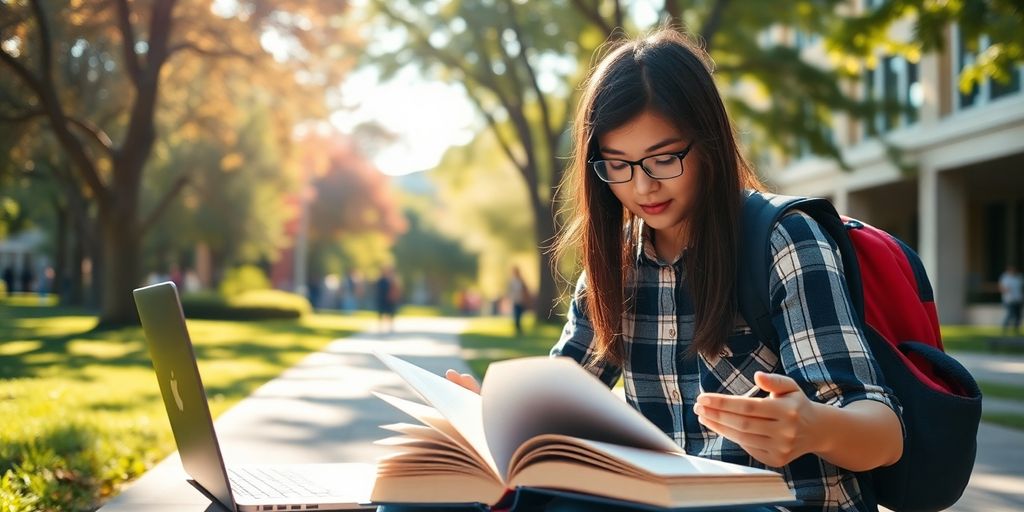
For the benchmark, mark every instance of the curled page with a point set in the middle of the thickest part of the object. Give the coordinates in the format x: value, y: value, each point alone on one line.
x: 460, y: 406
x: 532, y: 396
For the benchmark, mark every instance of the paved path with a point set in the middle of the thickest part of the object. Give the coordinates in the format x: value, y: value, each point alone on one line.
x: 322, y: 411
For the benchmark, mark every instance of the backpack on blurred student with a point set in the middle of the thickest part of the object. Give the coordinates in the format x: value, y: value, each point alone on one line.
x: 894, y: 302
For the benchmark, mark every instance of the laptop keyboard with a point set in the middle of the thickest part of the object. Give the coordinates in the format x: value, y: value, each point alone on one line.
x: 272, y: 483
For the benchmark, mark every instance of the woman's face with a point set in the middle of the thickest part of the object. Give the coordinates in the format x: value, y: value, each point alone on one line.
x: 662, y: 204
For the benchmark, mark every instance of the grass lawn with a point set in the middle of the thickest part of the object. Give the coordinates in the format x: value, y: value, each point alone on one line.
x: 82, y: 412
x: 973, y: 338
x: 492, y: 338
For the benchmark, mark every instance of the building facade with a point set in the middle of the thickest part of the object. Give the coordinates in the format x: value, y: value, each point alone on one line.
x: 953, y: 189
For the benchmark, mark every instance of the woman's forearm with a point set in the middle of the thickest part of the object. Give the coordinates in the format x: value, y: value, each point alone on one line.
x: 862, y: 436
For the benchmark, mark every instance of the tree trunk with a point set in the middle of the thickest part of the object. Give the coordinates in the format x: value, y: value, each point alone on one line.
x: 121, y: 241
x: 547, y: 294
x: 119, y: 269
x: 76, y: 284
x: 60, y: 257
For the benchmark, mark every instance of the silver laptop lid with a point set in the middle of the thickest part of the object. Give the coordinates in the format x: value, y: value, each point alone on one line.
x: 184, y: 397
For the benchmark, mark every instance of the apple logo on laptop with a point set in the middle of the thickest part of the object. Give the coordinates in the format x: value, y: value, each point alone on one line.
x: 174, y: 391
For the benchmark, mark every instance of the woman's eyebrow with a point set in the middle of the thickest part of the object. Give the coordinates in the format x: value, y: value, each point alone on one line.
x: 666, y: 142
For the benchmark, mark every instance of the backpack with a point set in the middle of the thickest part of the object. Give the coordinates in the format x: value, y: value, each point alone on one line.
x: 894, y: 303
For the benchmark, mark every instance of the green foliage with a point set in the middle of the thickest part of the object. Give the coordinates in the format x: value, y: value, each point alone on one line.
x: 82, y: 410
x: 242, y: 279
x: 247, y: 305
x: 426, y: 257
x: 998, y: 20
x: 236, y: 200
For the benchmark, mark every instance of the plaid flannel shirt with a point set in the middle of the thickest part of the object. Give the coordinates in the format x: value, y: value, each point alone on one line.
x: 822, y: 348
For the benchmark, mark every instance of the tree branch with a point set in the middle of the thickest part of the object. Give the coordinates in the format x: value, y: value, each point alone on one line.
x: 618, y: 14
x: 548, y: 127
x: 713, y: 23
x: 131, y: 59
x: 672, y: 11
x: 222, y: 53
x: 51, y: 105
x: 24, y: 116
x: 45, y: 40
x: 26, y: 76
x: 594, y: 15
x: 98, y: 135
x: 493, y: 124
x: 163, y: 204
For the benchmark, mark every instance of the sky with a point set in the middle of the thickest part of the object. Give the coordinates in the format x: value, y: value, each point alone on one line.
x: 427, y: 117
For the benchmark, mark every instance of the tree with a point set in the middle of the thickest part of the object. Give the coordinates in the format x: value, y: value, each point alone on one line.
x: 519, y: 66
x: 999, y: 20
x: 145, y: 40
x: 235, y: 203
x: 349, y: 200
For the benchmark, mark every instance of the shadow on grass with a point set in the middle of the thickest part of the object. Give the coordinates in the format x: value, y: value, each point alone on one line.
x: 44, y: 352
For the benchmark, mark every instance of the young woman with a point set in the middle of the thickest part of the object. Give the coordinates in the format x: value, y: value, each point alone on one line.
x: 657, y: 183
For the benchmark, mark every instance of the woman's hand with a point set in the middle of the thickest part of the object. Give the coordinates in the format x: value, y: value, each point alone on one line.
x: 464, y: 379
x: 774, y: 430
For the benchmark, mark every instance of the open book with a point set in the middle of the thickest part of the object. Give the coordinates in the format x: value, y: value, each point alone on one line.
x: 546, y: 423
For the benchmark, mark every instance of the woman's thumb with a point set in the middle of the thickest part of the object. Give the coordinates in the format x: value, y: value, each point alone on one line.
x: 775, y: 383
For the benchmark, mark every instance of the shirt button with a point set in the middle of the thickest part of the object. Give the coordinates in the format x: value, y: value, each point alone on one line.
x: 671, y: 332
x: 675, y: 394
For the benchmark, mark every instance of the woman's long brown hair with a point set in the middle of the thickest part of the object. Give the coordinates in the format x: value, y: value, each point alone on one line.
x: 667, y: 74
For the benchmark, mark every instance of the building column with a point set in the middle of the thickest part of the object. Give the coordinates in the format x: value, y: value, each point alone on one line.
x: 943, y: 244
x: 841, y: 200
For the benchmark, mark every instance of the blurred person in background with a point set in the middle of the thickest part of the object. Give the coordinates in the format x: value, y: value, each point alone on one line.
x: 519, y: 296
x: 1011, y: 286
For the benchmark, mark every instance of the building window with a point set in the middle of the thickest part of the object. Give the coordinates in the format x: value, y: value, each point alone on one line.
x: 987, y: 89
x: 896, y: 89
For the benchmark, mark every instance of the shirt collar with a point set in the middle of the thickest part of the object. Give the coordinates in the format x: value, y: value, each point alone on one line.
x: 645, y: 251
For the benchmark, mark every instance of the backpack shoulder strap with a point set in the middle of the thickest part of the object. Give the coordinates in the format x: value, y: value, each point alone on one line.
x: 761, y: 211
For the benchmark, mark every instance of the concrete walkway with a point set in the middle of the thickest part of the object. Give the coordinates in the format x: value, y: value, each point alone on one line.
x: 322, y: 411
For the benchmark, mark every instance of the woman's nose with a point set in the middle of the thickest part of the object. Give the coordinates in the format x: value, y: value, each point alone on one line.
x: 642, y: 183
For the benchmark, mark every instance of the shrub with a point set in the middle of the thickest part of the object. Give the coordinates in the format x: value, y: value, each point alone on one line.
x: 243, y: 279
x: 250, y: 305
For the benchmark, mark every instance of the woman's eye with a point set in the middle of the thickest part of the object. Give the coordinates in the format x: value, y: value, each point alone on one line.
x: 664, y: 160
x: 617, y: 166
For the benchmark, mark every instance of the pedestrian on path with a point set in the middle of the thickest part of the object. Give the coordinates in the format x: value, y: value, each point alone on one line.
x: 657, y: 183
x: 1011, y: 286
x: 519, y: 295
x: 389, y: 291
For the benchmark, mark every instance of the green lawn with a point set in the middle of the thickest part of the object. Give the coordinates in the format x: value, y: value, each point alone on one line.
x: 972, y: 338
x: 490, y: 338
x: 85, y: 405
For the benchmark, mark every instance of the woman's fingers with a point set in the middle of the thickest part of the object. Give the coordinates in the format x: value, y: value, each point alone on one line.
x: 745, y: 406
x: 744, y: 439
x: 463, y: 379
x: 739, y: 422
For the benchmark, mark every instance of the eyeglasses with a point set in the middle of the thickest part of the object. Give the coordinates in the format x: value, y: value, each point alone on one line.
x: 660, y: 167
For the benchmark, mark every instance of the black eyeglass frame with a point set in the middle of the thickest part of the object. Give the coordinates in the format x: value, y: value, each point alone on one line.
x: 681, y: 155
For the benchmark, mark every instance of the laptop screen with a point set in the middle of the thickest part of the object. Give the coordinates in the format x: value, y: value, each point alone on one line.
x: 184, y: 397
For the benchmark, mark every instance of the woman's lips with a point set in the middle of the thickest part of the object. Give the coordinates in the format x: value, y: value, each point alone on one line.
x: 655, y: 208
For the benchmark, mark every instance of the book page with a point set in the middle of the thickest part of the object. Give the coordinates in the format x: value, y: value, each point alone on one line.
x: 460, y: 406
x: 668, y: 465
x: 531, y: 396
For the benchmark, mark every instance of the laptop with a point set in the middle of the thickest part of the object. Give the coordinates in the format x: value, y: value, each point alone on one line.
x: 238, y: 488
